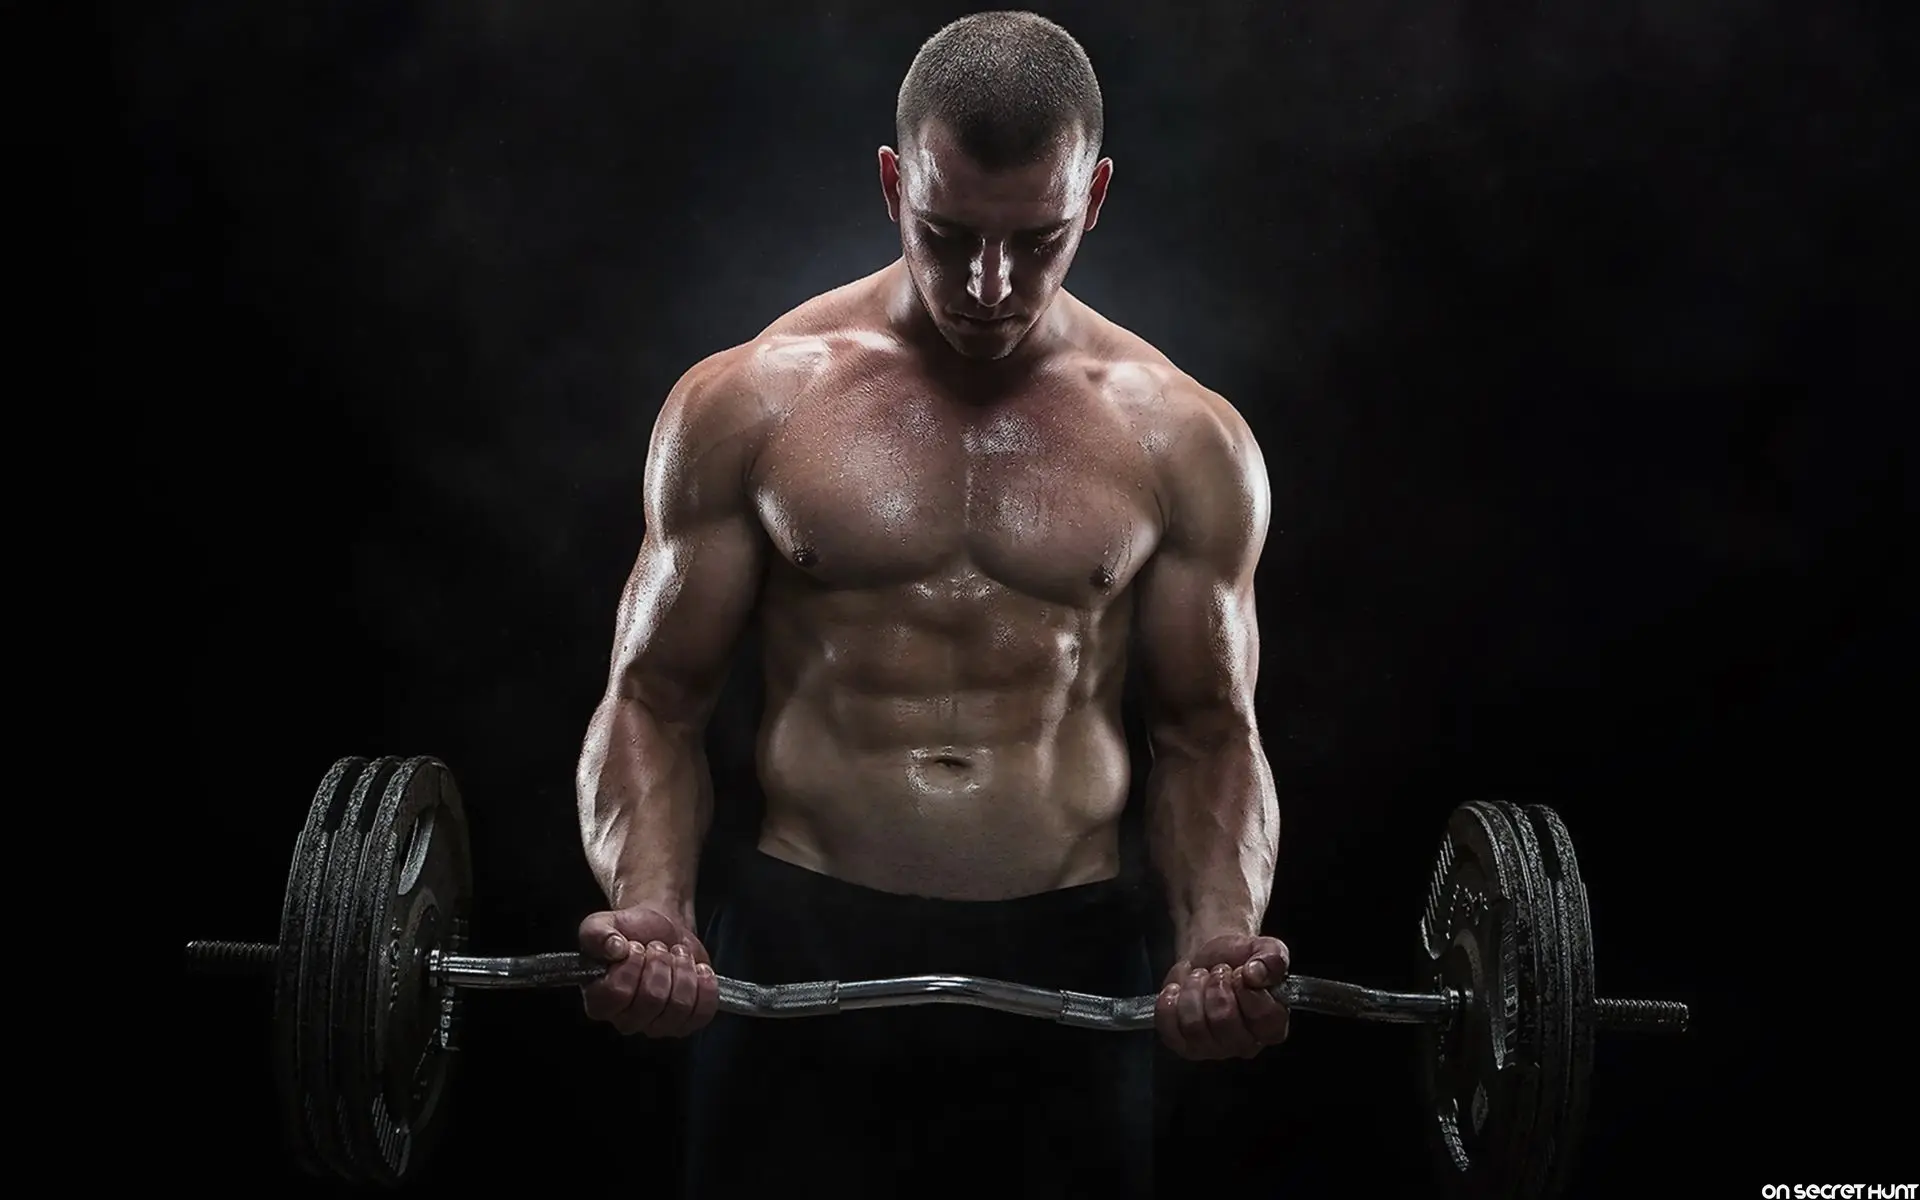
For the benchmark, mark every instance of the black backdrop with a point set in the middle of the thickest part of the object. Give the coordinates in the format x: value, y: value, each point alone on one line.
x: 1560, y: 333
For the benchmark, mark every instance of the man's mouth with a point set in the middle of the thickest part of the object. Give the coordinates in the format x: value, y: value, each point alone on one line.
x: 968, y: 322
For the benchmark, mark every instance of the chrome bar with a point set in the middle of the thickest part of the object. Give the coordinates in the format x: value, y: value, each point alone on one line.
x: 1641, y: 1016
x: 824, y: 997
x: 1069, y: 1008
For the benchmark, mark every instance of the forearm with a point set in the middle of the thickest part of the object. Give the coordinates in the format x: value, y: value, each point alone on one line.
x: 646, y: 800
x: 1213, y: 834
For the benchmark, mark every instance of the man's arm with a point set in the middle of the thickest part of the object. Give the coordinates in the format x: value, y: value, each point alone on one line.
x: 1213, y: 820
x: 644, y: 790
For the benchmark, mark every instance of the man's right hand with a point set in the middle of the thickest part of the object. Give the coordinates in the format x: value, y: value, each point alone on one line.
x: 659, y: 981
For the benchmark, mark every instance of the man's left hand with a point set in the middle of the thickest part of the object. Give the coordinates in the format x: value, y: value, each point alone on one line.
x: 1216, y: 1004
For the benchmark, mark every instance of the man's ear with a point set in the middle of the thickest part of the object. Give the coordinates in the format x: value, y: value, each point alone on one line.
x: 1097, y: 191
x: 890, y: 182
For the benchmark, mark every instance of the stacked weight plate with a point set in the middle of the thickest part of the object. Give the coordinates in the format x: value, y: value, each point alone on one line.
x: 1506, y: 926
x: 363, y: 1035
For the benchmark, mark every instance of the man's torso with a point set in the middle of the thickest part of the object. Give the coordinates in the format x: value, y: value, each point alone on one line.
x: 947, y: 603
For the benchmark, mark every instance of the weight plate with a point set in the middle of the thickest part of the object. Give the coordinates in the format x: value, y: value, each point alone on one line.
x: 321, y: 1031
x: 411, y: 899
x: 351, y: 967
x: 299, y: 913
x: 1576, y: 951
x: 1553, y: 1018
x: 1523, y: 1076
x: 1477, y: 1071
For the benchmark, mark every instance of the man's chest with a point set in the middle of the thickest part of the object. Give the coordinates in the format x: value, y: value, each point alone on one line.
x: 885, y: 485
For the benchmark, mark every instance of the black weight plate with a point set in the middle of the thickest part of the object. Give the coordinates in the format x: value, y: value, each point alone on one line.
x: 321, y: 1026
x: 1552, y: 1016
x: 1576, y: 950
x: 1476, y: 1072
x: 356, y: 942
x: 412, y: 898
x: 299, y: 917
x: 1521, y: 1078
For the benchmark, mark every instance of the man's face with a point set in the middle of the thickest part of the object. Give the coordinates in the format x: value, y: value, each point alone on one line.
x: 988, y: 250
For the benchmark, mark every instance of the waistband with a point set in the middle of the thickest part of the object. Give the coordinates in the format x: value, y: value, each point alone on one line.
x: 751, y: 874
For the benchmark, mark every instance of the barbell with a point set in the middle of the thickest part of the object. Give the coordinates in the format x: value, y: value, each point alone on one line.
x: 372, y: 959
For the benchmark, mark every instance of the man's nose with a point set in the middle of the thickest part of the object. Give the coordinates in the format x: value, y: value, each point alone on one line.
x: 989, y: 275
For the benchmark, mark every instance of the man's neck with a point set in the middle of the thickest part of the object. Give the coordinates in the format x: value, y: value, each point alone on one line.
x: 907, y: 315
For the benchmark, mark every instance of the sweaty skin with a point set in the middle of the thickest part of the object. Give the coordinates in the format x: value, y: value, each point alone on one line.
x: 945, y: 556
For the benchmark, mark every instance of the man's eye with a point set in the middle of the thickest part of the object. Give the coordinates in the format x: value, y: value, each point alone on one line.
x: 938, y: 234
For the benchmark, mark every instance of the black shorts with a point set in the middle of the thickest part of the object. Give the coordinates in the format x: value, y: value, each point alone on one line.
x: 928, y: 1100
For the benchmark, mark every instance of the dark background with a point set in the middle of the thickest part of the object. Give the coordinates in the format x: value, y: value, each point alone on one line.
x: 1564, y: 336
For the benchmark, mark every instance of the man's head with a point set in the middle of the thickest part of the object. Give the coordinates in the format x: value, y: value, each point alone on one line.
x: 997, y: 175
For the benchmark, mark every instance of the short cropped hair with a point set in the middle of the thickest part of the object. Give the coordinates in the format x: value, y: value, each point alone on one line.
x: 1007, y: 84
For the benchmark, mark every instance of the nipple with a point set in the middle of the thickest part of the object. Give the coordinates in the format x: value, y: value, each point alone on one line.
x: 804, y: 557
x: 1102, y: 578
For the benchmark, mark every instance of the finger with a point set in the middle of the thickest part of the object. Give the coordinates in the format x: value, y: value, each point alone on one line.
x: 1273, y: 959
x: 1230, y: 1035
x: 1166, y: 1019
x: 600, y: 938
x: 650, y: 997
x: 682, y: 991
x: 1263, y: 1015
x: 1192, y: 1012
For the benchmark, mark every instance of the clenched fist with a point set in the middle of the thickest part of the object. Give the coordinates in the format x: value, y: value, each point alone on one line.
x: 1216, y: 1004
x: 659, y: 981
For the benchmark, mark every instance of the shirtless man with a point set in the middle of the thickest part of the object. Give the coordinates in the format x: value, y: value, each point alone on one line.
x: 948, y: 494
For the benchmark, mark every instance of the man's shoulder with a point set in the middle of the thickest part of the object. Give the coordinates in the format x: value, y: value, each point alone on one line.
x: 833, y: 330
x: 1180, y: 414
x: 753, y: 382
x: 1211, y: 476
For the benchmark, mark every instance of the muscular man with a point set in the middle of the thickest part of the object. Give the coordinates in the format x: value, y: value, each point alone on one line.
x: 948, y: 495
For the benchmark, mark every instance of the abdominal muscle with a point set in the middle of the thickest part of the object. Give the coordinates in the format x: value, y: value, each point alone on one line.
x: 961, y: 792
